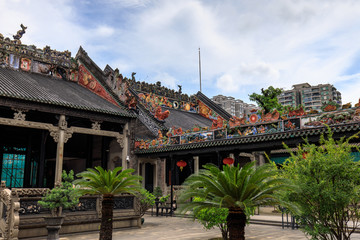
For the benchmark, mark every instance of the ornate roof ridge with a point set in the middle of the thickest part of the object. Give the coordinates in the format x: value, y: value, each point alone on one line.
x: 46, y: 55
x: 253, y: 138
x: 213, y: 106
x: 157, y: 89
x: 100, y: 75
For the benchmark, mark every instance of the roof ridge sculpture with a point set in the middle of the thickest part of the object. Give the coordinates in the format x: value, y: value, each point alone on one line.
x: 46, y: 55
x: 213, y: 106
x: 99, y: 74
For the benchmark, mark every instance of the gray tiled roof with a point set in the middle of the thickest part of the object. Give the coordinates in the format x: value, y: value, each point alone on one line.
x: 185, y: 120
x: 46, y: 89
x: 278, y: 136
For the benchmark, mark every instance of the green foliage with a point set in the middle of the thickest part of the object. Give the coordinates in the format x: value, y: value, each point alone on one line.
x: 108, y: 183
x: 239, y: 188
x: 328, y: 191
x: 267, y: 100
x: 64, y: 196
x: 213, y: 217
x: 163, y: 199
x: 146, y: 200
x: 100, y: 181
x: 157, y: 192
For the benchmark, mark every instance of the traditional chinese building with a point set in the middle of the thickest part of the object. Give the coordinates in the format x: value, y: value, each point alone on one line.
x: 63, y: 112
x: 56, y: 112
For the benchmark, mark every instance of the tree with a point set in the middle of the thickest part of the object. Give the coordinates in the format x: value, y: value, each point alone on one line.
x: 328, y: 192
x: 61, y: 197
x: 239, y: 190
x: 146, y: 201
x: 213, y: 217
x: 267, y: 100
x: 107, y: 183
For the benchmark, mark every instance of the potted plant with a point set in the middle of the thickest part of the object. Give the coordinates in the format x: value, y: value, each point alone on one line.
x: 60, y: 197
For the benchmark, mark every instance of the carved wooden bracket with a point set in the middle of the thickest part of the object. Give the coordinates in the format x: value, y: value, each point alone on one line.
x: 96, y: 125
x: 19, y: 114
x: 54, y: 132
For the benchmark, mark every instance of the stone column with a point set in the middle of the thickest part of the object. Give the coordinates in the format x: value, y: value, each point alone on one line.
x: 61, y: 135
x: 163, y: 174
x: 196, y: 164
x: 160, y: 177
x: 261, y: 159
x: 60, y: 150
x: 143, y: 173
x: 125, y: 147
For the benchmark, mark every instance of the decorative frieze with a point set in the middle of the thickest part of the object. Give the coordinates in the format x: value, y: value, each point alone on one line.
x: 148, y: 122
x: 124, y: 202
x: 120, y: 140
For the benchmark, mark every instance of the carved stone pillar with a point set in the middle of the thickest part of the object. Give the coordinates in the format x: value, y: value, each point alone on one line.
x: 260, y: 158
x: 125, y: 146
x: 61, y: 135
x: 161, y: 173
x: 196, y: 164
x: 143, y: 174
x: 60, y: 150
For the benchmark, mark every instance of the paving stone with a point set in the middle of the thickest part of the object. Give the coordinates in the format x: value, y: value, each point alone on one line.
x: 171, y: 228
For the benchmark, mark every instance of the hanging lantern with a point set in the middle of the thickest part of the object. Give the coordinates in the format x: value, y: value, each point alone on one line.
x: 181, y: 164
x: 229, y: 161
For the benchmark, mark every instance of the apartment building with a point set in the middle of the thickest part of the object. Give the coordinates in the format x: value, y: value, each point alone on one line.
x: 311, y: 97
x: 235, y: 107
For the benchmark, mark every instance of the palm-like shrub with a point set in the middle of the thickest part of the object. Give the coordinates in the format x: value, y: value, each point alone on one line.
x: 240, y: 190
x: 107, y: 183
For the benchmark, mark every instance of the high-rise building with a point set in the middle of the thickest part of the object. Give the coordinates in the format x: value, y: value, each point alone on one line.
x: 311, y: 97
x: 235, y: 107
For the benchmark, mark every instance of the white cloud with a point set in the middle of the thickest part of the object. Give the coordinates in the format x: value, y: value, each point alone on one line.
x: 165, y: 79
x: 226, y: 83
x: 49, y: 23
x: 130, y: 3
x: 104, y: 31
x: 245, y: 45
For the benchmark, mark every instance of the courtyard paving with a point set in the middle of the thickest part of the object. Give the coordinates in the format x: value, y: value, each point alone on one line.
x: 158, y: 228
x: 163, y: 228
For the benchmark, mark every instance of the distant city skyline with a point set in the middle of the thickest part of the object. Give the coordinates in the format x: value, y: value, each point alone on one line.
x: 245, y: 45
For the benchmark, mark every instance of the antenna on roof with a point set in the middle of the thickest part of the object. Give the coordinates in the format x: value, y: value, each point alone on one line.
x: 200, y: 69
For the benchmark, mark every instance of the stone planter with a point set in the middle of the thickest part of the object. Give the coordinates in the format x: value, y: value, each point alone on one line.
x: 53, y: 225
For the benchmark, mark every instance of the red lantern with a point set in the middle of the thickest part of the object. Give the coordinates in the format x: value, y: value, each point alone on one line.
x: 228, y: 161
x: 181, y: 164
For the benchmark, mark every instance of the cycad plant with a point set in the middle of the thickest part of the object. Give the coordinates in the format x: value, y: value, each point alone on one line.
x: 108, y: 183
x: 240, y: 190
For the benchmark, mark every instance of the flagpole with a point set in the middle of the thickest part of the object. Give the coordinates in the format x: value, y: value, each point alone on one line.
x: 200, y: 69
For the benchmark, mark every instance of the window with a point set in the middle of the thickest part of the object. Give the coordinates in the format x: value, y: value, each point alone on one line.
x: 13, y: 165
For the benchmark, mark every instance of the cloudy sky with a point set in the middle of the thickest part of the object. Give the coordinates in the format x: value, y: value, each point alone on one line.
x: 245, y: 45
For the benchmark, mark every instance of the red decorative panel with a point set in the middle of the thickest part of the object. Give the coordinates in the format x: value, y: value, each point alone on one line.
x: 25, y: 64
x: 87, y: 80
